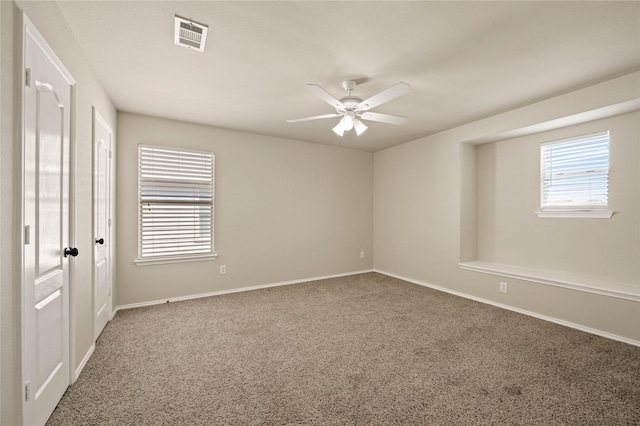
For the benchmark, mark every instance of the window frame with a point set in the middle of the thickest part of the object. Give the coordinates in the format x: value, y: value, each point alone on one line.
x: 175, y: 257
x: 596, y: 211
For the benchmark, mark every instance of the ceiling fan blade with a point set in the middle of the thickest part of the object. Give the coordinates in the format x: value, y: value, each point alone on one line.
x: 324, y: 95
x: 315, y: 117
x: 384, y: 96
x: 384, y: 118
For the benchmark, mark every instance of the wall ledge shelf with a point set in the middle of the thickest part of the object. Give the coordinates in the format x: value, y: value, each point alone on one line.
x: 572, y: 281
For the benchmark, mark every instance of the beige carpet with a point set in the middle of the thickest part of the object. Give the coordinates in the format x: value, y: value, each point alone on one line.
x: 360, y: 350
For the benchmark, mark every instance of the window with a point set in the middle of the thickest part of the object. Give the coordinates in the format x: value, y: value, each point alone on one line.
x: 175, y: 193
x: 575, y: 177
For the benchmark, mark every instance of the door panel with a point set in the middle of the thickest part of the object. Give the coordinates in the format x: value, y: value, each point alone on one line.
x: 49, y: 129
x: 49, y: 343
x: 102, y: 295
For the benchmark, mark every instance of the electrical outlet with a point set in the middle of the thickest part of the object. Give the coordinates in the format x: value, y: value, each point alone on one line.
x: 503, y: 287
x: 361, y: 255
x: 223, y: 269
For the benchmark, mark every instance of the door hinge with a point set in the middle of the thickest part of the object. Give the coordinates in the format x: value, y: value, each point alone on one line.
x: 27, y: 235
x: 27, y: 77
x: 109, y: 222
x: 109, y: 291
x: 110, y: 152
x: 27, y: 391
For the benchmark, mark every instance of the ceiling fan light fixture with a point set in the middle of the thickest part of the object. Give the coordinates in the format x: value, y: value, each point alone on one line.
x: 338, y: 129
x: 347, y: 121
x: 359, y: 126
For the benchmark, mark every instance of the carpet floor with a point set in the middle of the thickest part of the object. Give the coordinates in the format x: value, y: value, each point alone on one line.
x: 359, y: 350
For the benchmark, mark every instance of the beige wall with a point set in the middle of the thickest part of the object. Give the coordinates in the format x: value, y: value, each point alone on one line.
x: 510, y: 232
x: 50, y: 22
x: 439, y: 201
x: 416, y: 211
x: 284, y: 210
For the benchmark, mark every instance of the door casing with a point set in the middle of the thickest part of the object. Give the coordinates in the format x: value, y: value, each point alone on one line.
x: 25, y: 27
x: 98, y: 120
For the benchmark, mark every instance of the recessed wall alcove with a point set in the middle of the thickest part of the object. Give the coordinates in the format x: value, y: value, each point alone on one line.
x: 502, y: 235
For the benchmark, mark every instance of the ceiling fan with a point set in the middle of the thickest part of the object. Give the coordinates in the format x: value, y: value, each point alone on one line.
x: 352, y: 108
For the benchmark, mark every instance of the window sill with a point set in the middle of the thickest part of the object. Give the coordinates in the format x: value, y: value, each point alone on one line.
x: 174, y: 259
x: 571, y: 281
x: 577, y: 214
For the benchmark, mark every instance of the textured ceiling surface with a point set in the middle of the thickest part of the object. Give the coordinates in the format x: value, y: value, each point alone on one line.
x: 464, y: 60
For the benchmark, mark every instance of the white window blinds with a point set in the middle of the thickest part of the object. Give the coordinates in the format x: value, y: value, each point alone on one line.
x: 575, y: 173
x: 176, y: 202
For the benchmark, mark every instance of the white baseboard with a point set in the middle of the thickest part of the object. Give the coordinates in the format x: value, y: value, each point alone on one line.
x: 83, y: 363
x: 235, y: 290
x: 518, y: 310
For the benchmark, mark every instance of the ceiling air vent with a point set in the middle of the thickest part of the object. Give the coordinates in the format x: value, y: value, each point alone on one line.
x: 190, y: 34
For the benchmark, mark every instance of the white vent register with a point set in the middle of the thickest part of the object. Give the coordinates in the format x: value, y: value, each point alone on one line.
x: 190, y: 34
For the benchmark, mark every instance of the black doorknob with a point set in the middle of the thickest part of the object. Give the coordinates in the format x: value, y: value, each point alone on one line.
x: 70, y: 251
x: 100, y: 241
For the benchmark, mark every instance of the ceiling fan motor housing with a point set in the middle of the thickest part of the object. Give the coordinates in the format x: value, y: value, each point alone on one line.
x: 350, y: 102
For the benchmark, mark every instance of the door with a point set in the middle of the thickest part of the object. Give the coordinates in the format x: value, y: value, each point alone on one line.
x: 47, y: 96
x: 102, y: 136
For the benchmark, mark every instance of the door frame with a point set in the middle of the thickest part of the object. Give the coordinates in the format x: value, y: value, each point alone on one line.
x: 97, y: 117
x: 25, y: 26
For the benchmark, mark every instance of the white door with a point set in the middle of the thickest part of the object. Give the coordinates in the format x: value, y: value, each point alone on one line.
x: 102, y: 135
x: 46, y: 146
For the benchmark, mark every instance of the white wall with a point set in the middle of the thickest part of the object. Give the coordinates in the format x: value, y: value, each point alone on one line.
x: 50, y: 22
x: 438, y: 202
x: 284, y: 210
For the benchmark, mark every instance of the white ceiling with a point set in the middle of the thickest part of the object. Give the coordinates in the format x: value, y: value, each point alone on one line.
x: 464, y: 60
